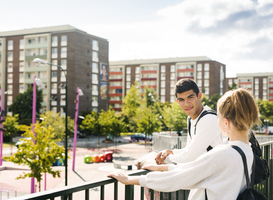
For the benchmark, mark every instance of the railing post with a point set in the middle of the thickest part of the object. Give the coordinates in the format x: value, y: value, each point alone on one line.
x: 129, y: 192
x: 267, y: 157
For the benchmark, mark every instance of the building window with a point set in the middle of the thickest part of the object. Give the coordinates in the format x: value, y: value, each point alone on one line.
x: 54, y: 53
x: 128, y: 70
x: 162, y: 91
x: 54, y: 41
x: 163, y: 84
x: 10, y: 45
x: 22, y: 44
x: 199, y: 83
x: 128, y: 77
x: 199, y: 75
x: 264, y: 80
x: 137, y: 77
x: 94, y: 78
x: 172, y: 84
x: 95, y: 90
x: 206, y: 83
x: 63, y: 52
x: 137, y: 70
x: 199, y: 67
x: 95, y: 101
x: 64, y: 40
x: 230, y: 82
x: 53, y: 74
x: 256, y: 81
x: 206, y: 75
x: 162, y: 76
x: 10, y: 56
x: 172, y: 68
x: 10, y: 67
x: 95, y: 56
x: 172, y: 76
x: 162, y: 99
x: 206, y: 67
x: 22, y: 55
x: 64, y: 64
x: 172, y: 99
x: 163, y: 68
x: 95, y: 45
x: 95, y: 68
x: 128, y: 85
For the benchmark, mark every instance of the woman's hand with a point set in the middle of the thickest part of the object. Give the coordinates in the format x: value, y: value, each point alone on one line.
x: 156, y: 167
x: 126, y: 180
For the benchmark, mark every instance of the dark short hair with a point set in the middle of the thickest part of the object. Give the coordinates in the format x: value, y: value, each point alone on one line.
x: 184, y: 85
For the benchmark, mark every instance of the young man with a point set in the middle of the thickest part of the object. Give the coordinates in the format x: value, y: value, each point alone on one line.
x: 202, y: 137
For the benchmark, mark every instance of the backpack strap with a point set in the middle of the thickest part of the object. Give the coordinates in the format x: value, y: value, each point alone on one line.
x: 205, y: 112
x: 240, y: 151
x: 189, y: 125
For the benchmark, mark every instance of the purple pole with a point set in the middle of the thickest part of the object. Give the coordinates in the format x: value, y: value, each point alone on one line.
x: 76, y: 128
x: 33, y: 123
x: 1, y: 132
x: 45, y: 181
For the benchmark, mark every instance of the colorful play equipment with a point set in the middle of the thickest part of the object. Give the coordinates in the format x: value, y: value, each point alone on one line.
x: 106, y: 157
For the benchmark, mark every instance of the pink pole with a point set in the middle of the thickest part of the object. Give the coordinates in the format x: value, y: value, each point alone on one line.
x: 33, y: 123
x: 76, y: 128
x: 1, y: 132
x: 45, y: 181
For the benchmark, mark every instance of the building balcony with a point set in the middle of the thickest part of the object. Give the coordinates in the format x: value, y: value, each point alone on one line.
x: 115, y: 80
x: 36, y: 69
x: 36, y: 46
x: 148, y: 79
x: 116, y: 109
x: 115, y: 87
x: 149, y: 86
x: 115, y: 94
x: 185, y: 70
x: 113, y: 73
x: 30, y: 58
x: 190, y: 77
x: 115, y: 101
x: 149, y: 71
x: 243, y: 83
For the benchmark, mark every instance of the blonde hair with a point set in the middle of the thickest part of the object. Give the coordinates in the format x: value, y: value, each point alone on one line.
x: 239, y: 107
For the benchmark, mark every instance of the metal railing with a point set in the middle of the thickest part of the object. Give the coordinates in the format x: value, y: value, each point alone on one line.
x: 129, y: 192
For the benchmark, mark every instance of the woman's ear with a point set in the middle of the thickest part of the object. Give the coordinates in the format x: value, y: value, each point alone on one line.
x: 226, y: 123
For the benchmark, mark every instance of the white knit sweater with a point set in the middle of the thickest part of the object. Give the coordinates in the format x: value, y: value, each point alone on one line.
x: 220, y: 171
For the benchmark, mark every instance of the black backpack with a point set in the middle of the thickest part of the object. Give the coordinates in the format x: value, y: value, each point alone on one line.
x: 261, y: 165
x: 249, y: 193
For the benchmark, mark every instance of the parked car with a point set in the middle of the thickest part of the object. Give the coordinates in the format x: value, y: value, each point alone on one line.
x: 141, y: 136
x: 22, y: 141
x: 80, y: 135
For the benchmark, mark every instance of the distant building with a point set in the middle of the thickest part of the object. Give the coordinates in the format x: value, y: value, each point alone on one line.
x: 162, y: 74
x: 80, y: 54
x: 259, y: 84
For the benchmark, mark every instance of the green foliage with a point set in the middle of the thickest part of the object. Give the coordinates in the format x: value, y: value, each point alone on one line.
x: 174, y: 118
x: 131, y: 101
x: 23, y: 105
x: 110, y: 124
x: 11, y: 125
x: 266, y: 109
x: 90, y: 125
x: 54, y: 120
x: 211, y: 102
x: 149, y: 97
x: 40, y: 155
x: 233, y: 86
x: 148, y: 121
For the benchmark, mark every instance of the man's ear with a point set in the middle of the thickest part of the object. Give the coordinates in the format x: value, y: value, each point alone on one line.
x: 200, y: 95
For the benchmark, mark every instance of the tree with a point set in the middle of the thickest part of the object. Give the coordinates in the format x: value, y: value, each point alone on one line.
x: 54, y: 120
x: 174, y: 118
x: 211, y: 102
x: 40, y: 155
x: 233, y: 86
x: 266, y: 109
x: 90, y: 125
x: 148, y: 121
x: 23, y: 105
x: 11, y: 126
x: 149, y: 97
x: 131, y: 103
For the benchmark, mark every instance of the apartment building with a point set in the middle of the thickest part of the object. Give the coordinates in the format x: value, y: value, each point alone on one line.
x: 83, y: 57
x: 259, y: 84
x: 162, y: 74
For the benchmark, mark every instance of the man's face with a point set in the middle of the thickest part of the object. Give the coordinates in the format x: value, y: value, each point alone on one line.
x: 190, y: 103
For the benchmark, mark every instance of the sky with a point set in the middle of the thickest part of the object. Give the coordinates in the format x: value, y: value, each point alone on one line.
x: 237, y: 33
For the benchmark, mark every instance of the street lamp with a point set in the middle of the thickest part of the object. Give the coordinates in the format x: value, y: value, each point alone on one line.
x: 38, y: 60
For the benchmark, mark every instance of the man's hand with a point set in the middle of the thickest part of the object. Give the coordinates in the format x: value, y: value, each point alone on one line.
x: 161, y: 156
x: 126, y: 180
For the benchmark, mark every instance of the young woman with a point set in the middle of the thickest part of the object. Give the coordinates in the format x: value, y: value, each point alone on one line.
x: 220, y: 171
